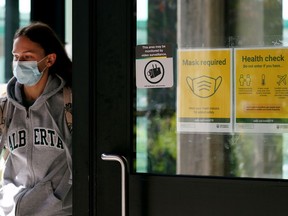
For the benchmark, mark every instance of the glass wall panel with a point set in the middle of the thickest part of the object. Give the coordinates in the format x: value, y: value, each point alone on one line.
x: 237, y: 52
x: 24, y: 16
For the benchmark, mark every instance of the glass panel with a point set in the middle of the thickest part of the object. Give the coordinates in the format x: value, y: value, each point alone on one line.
x: 24, y: 12
x: 68, y: 27
x: 24, y: 9
x: 2, y: 25
x: 176, y: 134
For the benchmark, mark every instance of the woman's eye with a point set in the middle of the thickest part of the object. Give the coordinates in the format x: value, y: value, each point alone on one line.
x: 27, y: 57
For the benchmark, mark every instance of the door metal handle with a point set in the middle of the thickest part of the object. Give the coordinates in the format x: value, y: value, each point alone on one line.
x: 123, y: 162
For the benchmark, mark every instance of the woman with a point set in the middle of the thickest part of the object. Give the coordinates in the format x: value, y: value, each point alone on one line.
x: 37, y: 175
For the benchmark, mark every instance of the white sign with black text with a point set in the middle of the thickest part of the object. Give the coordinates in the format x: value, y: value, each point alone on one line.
x: 154, y: 66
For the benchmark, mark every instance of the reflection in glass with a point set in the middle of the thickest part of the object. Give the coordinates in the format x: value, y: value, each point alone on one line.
x: 206, y: 24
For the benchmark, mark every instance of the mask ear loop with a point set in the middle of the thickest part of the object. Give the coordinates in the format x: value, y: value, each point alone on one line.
x: 41, y: 61
x: 44, y: 69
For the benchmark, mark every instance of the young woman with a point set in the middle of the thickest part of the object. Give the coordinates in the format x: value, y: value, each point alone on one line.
x: 37, y: 177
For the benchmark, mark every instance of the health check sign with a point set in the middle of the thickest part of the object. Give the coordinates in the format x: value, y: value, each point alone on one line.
x: 261, y: 90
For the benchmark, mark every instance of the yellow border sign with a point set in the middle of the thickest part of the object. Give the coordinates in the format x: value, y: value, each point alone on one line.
x: 261, y: 90
x: 204, y: 90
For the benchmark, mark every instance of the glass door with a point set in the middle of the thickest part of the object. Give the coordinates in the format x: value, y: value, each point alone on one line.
x: 182, y: 104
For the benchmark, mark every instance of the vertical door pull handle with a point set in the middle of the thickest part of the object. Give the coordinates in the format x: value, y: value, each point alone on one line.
x: 123, y: 162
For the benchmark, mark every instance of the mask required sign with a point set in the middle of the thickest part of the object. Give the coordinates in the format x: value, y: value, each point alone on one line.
x: 204, y: 90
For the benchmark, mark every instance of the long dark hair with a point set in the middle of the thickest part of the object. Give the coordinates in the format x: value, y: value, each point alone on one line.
x: 43, y: 34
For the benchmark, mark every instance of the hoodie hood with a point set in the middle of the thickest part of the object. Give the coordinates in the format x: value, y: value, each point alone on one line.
x: 14, y: 91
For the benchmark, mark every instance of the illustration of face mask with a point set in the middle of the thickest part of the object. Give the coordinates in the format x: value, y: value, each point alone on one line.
x: 204, y: 86
x: 26, y: 72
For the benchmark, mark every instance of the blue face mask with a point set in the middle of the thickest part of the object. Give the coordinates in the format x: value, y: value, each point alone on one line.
x: 27, y: 72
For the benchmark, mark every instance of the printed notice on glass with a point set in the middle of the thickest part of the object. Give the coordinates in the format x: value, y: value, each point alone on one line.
x: 204, y: 90
x: 261, y: 90
x: 154, y: 66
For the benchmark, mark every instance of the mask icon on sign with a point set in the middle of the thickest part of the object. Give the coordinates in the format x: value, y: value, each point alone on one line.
x: 204, y: 86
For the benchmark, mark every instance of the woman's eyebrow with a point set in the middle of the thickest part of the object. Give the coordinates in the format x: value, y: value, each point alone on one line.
x: 25, y: 52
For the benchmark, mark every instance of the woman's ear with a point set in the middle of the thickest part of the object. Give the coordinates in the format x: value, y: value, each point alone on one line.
x: 51, y: 59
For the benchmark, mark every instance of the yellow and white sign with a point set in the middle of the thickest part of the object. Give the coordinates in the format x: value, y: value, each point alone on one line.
x: 204, y: 90
x: 261, y: 90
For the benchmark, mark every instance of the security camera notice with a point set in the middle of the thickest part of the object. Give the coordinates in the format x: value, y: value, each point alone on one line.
x: 154, y: 66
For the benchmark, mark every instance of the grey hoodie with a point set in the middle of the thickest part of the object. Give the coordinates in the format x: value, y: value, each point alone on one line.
x: 37, y: 175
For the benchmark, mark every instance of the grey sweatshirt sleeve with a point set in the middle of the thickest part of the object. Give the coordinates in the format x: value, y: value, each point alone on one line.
x: 3, y: 106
